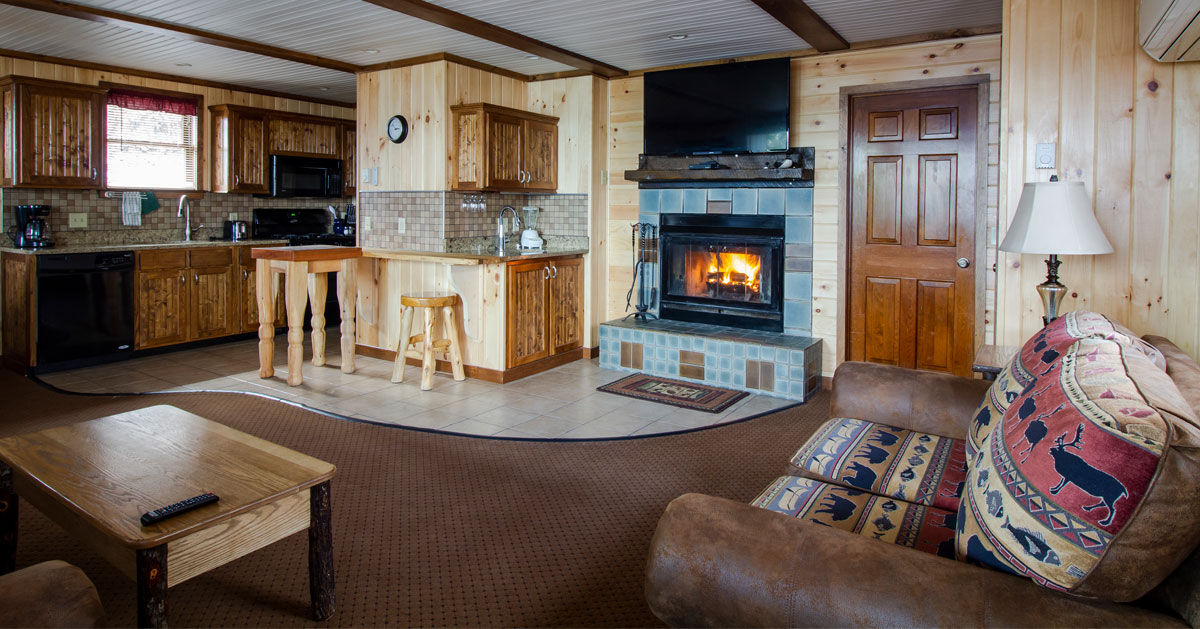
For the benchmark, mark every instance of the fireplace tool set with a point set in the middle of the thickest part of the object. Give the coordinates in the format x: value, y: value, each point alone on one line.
x: 645, y: 251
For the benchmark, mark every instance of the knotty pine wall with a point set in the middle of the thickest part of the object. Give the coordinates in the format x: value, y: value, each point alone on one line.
x: 1129, y: 128
x: 212, y: 95
x: 817, y: 82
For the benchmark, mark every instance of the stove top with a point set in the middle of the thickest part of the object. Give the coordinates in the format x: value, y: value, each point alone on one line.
x: 299, y: 226
x: 318, y: 239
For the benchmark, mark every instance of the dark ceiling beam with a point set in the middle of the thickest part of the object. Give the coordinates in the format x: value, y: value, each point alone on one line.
x: 805, y: 22
x: 177, y: 31
x: 483, y: 30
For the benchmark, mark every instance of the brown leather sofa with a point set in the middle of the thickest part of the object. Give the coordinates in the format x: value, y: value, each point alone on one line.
x: 49, y: 594
x: 717, y: 562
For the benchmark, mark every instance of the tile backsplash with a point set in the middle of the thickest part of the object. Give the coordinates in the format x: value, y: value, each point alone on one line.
x: 430, y: 218
x: 104, y: 215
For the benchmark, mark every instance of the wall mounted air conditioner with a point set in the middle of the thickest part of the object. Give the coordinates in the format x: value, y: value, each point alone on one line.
x: 1169, y: 30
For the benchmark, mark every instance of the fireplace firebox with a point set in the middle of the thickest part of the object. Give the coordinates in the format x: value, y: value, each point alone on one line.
x: 722, y: 269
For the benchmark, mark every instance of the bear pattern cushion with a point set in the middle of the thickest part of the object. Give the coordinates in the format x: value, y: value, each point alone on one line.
x: 1037, y: 357
x: 1063, y: 471
x: 878, y: 517
x: 914, y: 466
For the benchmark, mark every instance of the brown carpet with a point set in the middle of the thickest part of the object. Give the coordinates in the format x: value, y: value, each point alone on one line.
x: 433, y: 529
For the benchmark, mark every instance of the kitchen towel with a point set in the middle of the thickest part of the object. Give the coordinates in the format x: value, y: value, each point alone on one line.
x: 131, y: 208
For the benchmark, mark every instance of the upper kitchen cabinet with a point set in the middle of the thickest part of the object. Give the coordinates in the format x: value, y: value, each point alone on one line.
x: 503, y: 150
x: 53, y: 134
x: 244, y: 138
x: 349, y: 176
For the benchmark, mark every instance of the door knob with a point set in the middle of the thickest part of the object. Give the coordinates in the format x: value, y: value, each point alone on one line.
x: 963, y: 263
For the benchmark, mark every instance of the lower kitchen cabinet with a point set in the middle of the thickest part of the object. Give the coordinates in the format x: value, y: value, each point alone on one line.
x: 213, y: 296
x: 161, y: 299
x: 544, y: 308
x: 249, y: 296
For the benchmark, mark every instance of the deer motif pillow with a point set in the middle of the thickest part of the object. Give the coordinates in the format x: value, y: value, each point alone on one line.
x: 1068, y: 474
x: 1037, y: 358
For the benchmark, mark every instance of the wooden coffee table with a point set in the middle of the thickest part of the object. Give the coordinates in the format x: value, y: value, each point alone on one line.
x: 95, y: 479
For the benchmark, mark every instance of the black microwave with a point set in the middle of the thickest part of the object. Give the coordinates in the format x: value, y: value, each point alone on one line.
x: 305, y: 176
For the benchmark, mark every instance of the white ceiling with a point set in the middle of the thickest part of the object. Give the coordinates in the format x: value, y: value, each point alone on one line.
x: 629, y: 34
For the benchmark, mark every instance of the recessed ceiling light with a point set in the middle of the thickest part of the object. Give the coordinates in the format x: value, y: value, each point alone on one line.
x: 679, y: 36
x: 372, y: 51
x: 183, y: 65
x: 324, y: 89
x: 533, y: 57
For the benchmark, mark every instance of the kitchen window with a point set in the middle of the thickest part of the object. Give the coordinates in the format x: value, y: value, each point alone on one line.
x: 152, y: 140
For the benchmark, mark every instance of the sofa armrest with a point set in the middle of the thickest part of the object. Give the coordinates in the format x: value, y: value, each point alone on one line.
x: 716, y: 562
x: 936, y: 403
x: 49, y: 594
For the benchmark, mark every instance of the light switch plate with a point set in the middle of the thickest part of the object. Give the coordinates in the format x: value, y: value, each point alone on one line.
x: 366, y: 175
x: 367, y: 223
x: 77, y: 219
x: 401, y: 227
x: 1043, y: 156
x: 374, y: 175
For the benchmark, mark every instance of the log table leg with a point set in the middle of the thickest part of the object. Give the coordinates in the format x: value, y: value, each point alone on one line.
x: 265, y: 293
x: 296, y: 296
x: 320, y: 552
x: 348, y: 300
x: 8, y: 521
x: 151, y: 579
x: 318, y: 290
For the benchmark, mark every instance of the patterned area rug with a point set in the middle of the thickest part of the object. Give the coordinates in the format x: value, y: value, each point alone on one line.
x: 700, y: 397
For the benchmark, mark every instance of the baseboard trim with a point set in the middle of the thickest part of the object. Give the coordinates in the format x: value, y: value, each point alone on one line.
x: 591, y: 352
x: 483, y: 373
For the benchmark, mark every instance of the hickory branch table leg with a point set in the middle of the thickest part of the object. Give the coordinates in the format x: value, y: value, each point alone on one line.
x: 296, y: 296
x: 8, y: 520
x: 347, y: 282
x: 320, y: 552
x: 318, y: 289
x: 265, y: 286
x: 151, y: 576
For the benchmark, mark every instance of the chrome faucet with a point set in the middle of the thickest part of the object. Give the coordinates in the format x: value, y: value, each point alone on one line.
x: 501, y: 234
x: 185, y: 212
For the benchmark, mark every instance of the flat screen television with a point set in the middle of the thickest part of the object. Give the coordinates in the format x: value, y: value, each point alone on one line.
x: 718, y: 109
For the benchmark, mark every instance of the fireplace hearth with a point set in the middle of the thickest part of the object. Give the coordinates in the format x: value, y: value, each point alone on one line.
x: 723, y: 269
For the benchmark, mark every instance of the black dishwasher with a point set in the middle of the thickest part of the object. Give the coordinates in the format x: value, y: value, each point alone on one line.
x: 84, y: 306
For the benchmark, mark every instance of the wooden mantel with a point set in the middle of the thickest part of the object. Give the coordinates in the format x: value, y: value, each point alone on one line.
x: 745, y: 170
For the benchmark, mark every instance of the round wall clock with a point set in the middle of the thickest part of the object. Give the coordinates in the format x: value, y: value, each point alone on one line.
x: 397, y: 128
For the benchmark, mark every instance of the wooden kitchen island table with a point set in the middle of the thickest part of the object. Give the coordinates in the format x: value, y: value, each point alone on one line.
x: 304, y: 266
x: 96, y: 478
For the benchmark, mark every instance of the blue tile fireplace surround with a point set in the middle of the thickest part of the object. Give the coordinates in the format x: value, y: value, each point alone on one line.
x: 781, y: 364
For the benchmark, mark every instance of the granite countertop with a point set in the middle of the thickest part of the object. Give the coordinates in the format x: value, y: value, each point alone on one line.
x: 492, y: 257
x: 142, y: 246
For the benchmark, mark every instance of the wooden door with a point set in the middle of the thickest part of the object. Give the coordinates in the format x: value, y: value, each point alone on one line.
x: 247, y: 153
x: 213, y: 294
x: 18, y: 303
x: 161, y: 307
x: 566, y: 305
x: 504, y: 147
x: 8, y: 136
x: 349, y: 171
x: 526, y: 312
x: 62, y: 137
x: 912, y: 206
x: 293, y: 136
x: 541, y: 155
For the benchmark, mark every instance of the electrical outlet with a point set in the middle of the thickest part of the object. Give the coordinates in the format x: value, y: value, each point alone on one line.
x: 233, y: 216
x: 604, y: 177
x: 366, y: 175
x: 77, y: 219
x: 400, y: 225
x: 367, y: 223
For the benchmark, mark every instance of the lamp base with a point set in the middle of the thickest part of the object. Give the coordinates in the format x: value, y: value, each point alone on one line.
x: 1051, y: 291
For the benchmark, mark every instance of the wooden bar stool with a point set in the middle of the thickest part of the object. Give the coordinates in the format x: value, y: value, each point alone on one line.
x: 429, y: 303
x: 304, y: 267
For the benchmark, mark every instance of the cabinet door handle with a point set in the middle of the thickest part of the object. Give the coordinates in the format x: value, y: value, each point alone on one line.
x: 545, y: 272
x: 95, y: 174
x: 553, y: 271
x: 245, y: 274
x: 196, y: 277
x: 183, y: 279
x: 237, y: 180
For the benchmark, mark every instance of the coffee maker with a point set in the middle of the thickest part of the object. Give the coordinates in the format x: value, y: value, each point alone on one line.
x: 32, y: 230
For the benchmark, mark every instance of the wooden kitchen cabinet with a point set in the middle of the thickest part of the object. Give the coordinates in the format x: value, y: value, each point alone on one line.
x: 304, y: 135
x: 349, y: 170
x: 19, y: 309
x: 248, y: 295
x: 543, y: 308
x: 244, y: 138
x: 186, y: 295
x: 53, y: 134
x: 501, y: 149
x: 213, y: 296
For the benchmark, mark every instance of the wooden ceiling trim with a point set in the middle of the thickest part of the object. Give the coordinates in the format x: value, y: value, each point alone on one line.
x: 175, y: 78
x: 445, y: 56
x: 567, y: 74
x: 178, y: 31
x: 803, y: 21
x: 484, y: 30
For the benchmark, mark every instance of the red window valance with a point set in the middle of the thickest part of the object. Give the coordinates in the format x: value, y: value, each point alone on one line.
x: 144, y: 101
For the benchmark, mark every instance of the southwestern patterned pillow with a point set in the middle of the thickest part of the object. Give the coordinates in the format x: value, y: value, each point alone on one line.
x: 1071, y: 486
x: 1036, y: 359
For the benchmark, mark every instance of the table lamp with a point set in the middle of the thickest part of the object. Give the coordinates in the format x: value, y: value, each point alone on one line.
x: 1054, y: 218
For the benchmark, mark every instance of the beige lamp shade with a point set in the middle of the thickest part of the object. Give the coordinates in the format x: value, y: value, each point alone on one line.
x: 1055, y: 217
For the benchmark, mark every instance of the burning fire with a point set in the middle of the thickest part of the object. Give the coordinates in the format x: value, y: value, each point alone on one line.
x: 739, y: 268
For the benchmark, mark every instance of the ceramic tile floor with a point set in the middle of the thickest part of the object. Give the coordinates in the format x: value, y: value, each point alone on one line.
x: 560, y: 403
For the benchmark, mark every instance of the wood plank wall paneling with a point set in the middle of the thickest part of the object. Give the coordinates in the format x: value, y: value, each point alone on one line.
x: 817, y: 82
x: 1129, y: 128
x: 212, y: 96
